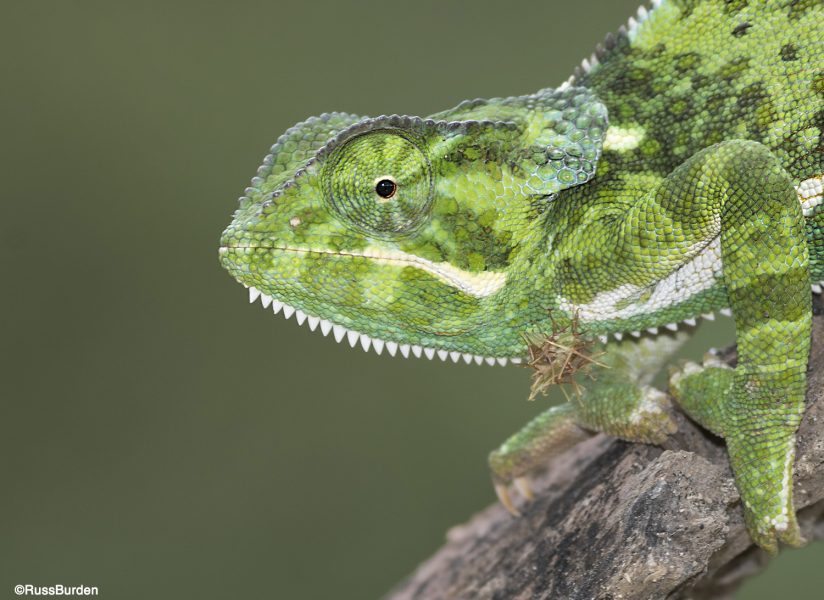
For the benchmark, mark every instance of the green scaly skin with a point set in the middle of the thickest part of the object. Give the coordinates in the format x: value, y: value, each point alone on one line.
x: 677, y: 173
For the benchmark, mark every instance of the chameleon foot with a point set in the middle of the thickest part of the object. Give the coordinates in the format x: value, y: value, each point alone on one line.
x: 702, y: 391
x: 548, y: 434
x: 766, y: 490
x: 761, y: 446
x: 643, y: 414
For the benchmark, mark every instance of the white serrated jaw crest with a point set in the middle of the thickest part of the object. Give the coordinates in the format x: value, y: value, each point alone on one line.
x: 355, y: 338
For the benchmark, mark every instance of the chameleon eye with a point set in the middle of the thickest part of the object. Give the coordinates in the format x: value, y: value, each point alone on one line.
x: 386, y: 188
x: 357, y: 185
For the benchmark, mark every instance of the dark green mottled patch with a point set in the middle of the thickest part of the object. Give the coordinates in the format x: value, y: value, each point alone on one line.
x: 687, y: 62
x: 686, y: 7
x: 789, y: 52
x: 733, y: 69
x: 732, y: 7
x: 796, y: 9
x: 479, y: 247
x: 741, y: 29
x: 818, y: 83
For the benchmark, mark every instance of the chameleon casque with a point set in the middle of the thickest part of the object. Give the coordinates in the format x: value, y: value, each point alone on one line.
x: 676, y: 174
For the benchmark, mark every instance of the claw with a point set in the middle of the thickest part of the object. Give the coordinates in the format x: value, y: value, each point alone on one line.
x: 503, y: 495
x: 793, y: 537
x: 523, y: 486
x: 767, y: 536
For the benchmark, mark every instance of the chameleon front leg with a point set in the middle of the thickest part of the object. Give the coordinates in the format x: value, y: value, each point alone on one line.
x: 759, y: 406
x: 618, y: 401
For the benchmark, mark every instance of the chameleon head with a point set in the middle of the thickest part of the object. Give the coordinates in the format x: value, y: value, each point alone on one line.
x: 396, y: 230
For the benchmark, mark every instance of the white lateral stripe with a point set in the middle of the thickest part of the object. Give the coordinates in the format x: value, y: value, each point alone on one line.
x: 810, y: 194
x: 698, y: 274
x: 479, y: 285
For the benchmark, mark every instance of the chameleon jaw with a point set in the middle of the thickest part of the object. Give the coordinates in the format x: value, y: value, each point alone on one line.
x: 339, y: 332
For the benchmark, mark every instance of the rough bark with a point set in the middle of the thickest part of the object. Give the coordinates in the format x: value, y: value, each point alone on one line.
x: 617, y: 520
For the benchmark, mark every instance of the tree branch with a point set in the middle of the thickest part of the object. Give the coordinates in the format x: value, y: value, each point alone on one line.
x: 617, y: 520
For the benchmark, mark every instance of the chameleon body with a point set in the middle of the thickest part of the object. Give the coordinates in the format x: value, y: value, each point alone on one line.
x: 677, y: 173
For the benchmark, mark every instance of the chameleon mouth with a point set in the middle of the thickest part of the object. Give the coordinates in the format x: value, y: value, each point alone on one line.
x: 366, y: 342
x: 478, y: 285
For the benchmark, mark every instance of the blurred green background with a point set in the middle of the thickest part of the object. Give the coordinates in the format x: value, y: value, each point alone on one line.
x: 163, y: 439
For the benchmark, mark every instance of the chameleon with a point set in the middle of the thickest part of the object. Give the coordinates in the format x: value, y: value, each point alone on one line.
x: 676, y: 175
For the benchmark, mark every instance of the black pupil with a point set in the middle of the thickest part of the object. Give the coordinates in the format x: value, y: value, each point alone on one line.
x: 386, y: 188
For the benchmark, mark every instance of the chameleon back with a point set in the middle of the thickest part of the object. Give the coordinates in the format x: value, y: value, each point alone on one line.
x: 693, y: 74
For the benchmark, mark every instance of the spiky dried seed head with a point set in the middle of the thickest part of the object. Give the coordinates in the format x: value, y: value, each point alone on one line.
x: 555, y: 358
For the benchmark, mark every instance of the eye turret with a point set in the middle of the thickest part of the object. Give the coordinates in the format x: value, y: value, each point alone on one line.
x: 380, y: 182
